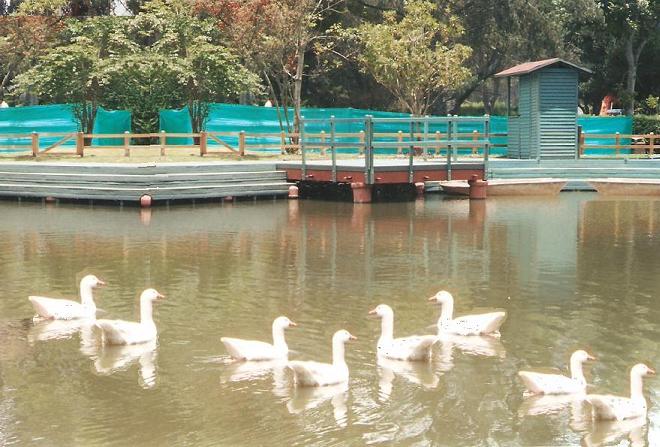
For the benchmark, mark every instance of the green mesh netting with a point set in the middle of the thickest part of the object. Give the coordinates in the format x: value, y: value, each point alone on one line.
x: 605, y: 125
x: 56, y: 118
x: 176, y: 121
x: 111, y: 122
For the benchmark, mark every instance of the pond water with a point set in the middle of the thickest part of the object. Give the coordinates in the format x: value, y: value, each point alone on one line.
x: 576, y: 271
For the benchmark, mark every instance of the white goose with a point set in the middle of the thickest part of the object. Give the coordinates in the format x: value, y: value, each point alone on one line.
x: 481, y: 324
x: 544, y: 383
x: 322, y: 374
x: 59, y: 309
x: 415, y: 347
x: 120, y: 332
x: 258, y: 350
x: 607, y: 406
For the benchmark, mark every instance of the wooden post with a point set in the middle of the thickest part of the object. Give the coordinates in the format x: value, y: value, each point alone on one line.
x: 35, y: 144
x: 581, y: 142
x: 80, y: 144
x: 323, y: 142
x: 651, y: 144
x: 399, y: 138
x: 162, y: 141
x: 438, y: 149
x: 617, y: 143
x: 361, y: 138
x: 282, y: 143
x: 202, y: 143
x: 241, y: 143
x: 127, y: 143
x: 475, y: 138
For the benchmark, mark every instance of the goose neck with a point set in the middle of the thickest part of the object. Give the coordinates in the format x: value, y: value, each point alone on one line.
x: 636, y: 386
x: 338, y: 352
x: 86, y: 295
x: 146, y: 311
x: 387, y: 327
x: 447, y: 310
x: 278, y: 337
x: 576, y: 370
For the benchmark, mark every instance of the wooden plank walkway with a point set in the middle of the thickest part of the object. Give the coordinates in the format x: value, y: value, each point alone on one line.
x: 128, y: 182
x: 386, y: 170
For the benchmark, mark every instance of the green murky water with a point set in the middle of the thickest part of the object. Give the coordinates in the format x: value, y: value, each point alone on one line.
x: 573, y: 271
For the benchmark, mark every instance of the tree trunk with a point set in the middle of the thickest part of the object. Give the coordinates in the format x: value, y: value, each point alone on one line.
x: 297, y: 86
x: 632, y: 54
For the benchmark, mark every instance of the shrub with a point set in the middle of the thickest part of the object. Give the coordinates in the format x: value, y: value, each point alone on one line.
x: 645, y: 124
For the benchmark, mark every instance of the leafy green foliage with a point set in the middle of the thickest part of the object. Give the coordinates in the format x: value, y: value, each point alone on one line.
x: 416, y: 58
x: 162, y: 58
x: 646, y: 124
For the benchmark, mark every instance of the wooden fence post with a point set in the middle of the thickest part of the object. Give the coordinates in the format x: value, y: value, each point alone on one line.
x: 80, y: 144
x: 581, y: 143
x: 35, y: 144
x: 241, y: 143
x: 651, y: 144
x: 162, y: 141
x: 361, y: 137
x: 202, y: 143
x: 282, y: 142
x: 617, y: 143
x: 323, y: 142
x: 438, y: 137
x: 399, y: 138
x: 475, y: 139
x: 127, y: 143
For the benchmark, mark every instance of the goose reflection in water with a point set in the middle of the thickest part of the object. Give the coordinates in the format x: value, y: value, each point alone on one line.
x: 239, y: 371
x: 419, y: 373
x: 603, y: 433
x: 113, y: 358
x: 46, y: 330
x: 306, y: 398
x: 480, y: 345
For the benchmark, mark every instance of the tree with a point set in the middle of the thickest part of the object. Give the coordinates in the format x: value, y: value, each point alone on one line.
x: 161, y: 58
x: 273, y: 37
x: 632, y: 23
x: 416, y: 58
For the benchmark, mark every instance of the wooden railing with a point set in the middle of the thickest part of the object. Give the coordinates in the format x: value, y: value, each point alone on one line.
x: 239, y: 143
x: 242, y: 143
x: 626, y: 144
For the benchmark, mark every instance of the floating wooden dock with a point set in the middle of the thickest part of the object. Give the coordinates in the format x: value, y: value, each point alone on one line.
x: 129, y: 182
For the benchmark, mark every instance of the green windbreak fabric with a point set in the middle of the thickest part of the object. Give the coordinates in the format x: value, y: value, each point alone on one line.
x: 111, y: 122
x: 605, y: 125
x: 176, y: 121
x: 255, y: 119
x: 56, y: 118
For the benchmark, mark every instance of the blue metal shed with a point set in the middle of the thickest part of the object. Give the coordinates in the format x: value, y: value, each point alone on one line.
x: 545, y: 125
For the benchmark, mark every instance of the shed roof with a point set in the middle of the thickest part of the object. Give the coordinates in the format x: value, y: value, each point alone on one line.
x: 529, y: 67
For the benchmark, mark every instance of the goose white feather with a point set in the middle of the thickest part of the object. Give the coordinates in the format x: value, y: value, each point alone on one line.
x: 308, y: 373
x: 120, y: 332
x: 608, y: 407
x: 543, y: 383
x: 61, y: 309
x: 415, y: 347
x: 258, y: 350
x: 478, y: 324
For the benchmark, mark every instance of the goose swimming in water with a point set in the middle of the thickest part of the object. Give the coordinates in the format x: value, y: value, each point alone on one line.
x: 61, y: 309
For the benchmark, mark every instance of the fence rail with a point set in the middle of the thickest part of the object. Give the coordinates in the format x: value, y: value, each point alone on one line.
x: 623, y: 144
x: 400, y: 143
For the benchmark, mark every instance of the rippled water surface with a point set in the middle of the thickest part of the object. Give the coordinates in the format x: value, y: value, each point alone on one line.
x: 574, y: 271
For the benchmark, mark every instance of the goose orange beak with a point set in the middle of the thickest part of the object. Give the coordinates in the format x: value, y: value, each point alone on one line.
x: 591, y: 357
x: 292, y: 324
x: 352, y: 337
x: 372, y: 312
x: 651, y: 372
x: 100, y: 283
x: 160, y: 296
